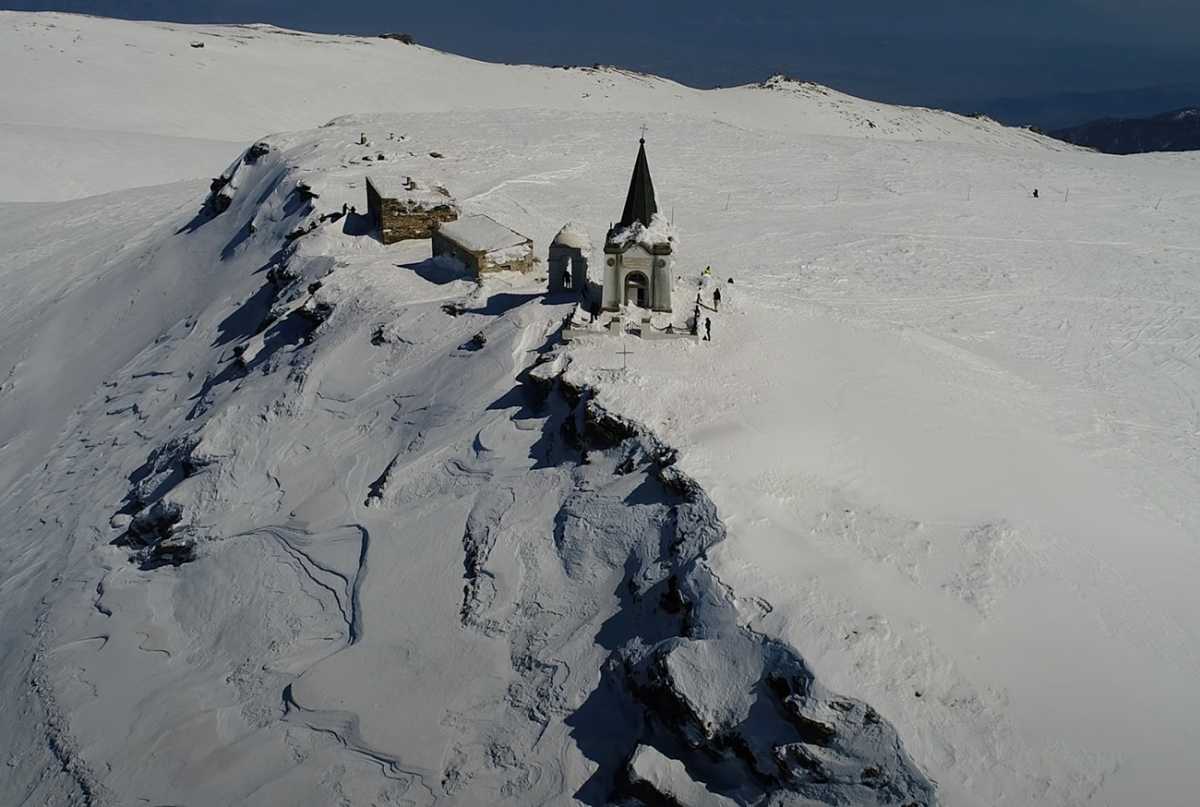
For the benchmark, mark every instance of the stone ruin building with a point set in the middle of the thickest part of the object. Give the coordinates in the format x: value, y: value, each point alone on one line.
x: 402, y: 209
x: 483, y: 245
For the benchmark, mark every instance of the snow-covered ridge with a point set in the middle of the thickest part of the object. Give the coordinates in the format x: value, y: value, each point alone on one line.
x: 365, y: 502
x: 950, y: 429
x: 147, y: 79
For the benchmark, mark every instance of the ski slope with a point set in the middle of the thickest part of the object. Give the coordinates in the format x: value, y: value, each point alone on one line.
x: 950, y: 432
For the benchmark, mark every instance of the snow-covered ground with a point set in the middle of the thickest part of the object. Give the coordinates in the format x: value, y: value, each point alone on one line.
x: 950, y: 430
x: 56, y: 163
x: 86, y: 80
x: 956, y: 446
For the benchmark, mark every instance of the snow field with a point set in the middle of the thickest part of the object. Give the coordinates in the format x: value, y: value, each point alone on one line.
x: 951, y: 432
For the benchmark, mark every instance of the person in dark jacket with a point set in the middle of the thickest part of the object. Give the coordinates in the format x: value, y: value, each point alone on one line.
x: 716, y: 299
x: 707, y: 329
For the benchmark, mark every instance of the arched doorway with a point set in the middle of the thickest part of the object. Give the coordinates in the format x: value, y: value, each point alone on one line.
x: 637, y: 290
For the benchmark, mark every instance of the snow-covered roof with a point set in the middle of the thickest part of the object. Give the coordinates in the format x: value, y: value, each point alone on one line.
x: 398, y: 186
x: 480, y: 233
x: 660, y: 233
x: 573, y: 235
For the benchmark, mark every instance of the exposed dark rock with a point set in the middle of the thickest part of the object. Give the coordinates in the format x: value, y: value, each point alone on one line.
x: 476, y: 342
x: 168, y: 552
x: 256, y: 151
x: 316, y: 311
x: 281, y: 275
x: 302, y: 230
x: 153, y: 524
x: 406, y: 39
x: 673, y: 601
x: 727, y: 710
x: 219, y: 197
x: 606, y: 429
x: 165, y: 467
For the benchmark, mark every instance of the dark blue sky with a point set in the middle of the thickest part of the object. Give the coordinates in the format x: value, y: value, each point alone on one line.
x: 1037, y: 60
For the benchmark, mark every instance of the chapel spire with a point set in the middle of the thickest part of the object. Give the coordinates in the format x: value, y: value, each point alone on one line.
x: 640, y: 204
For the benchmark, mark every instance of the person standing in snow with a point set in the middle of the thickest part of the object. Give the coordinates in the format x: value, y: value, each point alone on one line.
x: 707, y: 329
x: 716, y: 299
x: 1035, y: 194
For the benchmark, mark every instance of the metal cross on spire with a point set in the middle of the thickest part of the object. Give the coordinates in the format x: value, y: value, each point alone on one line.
x: 643, y: 133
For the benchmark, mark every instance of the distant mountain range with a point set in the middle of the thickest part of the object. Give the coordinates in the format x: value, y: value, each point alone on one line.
x: 1059, y: 110
x: 1170, y: 131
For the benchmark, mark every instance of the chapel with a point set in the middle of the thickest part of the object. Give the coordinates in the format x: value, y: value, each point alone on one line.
x: 639, y: 249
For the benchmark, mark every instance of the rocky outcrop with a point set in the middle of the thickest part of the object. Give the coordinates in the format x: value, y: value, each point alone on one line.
x: 717, y: 696
x: 157, y: 538
x: 259, y: 149
x: 155, y: 523
x: 220, y: 195
x: 660, y: 781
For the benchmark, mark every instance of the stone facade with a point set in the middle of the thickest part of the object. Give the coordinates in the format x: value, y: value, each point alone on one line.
x: 408, y: 212
x: 635, y: 274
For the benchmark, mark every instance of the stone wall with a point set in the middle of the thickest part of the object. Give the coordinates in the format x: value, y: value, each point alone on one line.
x: 655, y: 264
x: 402, y: 219
x: 397, y: 223
x: 482, y: 262
x: 490, y: 263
